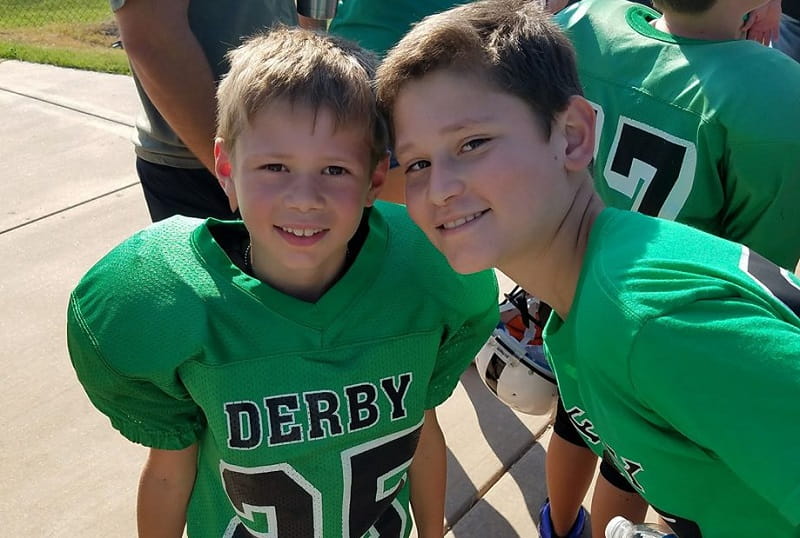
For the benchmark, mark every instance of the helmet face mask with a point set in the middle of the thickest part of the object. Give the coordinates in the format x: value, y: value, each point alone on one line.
x: 517, y: 371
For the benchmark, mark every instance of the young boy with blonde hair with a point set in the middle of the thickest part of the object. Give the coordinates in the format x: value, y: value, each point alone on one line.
x: 656, y: 326
x: 282, y: 384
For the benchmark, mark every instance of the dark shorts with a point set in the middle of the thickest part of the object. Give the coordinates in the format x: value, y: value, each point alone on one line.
x: 172, y: 191
x: 565, y: 429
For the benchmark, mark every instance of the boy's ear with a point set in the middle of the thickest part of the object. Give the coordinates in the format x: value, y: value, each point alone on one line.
x: 579, y: 129
x: 223, y: 170
x: 377, y: 179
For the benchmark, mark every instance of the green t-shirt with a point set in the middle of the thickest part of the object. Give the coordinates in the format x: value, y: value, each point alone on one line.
x: 703, y: 132
x: 379, y: 25
x: 306, y: 415
x: 680, y: 360
x: 218, y: 25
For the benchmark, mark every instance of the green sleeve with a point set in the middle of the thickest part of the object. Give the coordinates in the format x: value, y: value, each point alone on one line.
x: 466, y: 335
x: 155, y: 411
x: 726, y: 375
x: 762, y: 190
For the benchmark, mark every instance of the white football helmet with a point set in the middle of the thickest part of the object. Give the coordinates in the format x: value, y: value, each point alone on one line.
x: 512, y: 362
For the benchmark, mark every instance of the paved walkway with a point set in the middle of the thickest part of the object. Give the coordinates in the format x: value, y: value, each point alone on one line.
x: 70, y: 193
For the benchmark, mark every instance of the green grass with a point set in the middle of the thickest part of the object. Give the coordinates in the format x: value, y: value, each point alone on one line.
x: 67, y: 33
x: 32, y: 13
x: 110, y: 61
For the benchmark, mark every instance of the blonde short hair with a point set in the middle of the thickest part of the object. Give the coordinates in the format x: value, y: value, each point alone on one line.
x: 301, y: 67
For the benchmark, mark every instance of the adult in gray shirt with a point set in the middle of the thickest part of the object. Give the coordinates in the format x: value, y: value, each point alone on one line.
x: 176, y: 49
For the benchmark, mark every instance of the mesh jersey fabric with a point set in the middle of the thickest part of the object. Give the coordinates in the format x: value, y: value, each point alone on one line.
x: 703, y: 132
x: 306, y: 414
x: 680, y: 359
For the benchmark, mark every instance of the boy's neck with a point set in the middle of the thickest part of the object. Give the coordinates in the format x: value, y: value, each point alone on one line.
x: 718, y: 23
x: 307, y: 285
x: 552, y: 274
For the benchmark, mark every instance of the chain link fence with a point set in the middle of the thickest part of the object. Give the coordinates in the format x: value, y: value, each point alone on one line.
x: 70, y: 33
x: 40, y: 13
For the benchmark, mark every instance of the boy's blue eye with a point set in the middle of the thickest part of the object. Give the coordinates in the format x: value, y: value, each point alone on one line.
x: 417, y: 166
x: 334, y: 170
x: 473, y: 144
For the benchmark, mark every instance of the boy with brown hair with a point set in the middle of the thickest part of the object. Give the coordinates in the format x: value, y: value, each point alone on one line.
x: 685, y: 133
x: 283, y: 386
x: 655, y: 324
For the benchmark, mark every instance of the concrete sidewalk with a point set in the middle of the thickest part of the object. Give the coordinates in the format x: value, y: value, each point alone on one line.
x: 71, y: 193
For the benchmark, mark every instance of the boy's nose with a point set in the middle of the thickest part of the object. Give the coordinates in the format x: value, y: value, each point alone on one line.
x: 304, y: 193
x: 445, y: 183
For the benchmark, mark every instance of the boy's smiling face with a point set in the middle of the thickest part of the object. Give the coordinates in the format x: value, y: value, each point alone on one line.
x: 483, y: 180
x: 301, y: 183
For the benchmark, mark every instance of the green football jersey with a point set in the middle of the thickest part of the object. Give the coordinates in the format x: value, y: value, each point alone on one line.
x: 306, y: 414
x: 703, y: 132
x: 680, y: 361
x: 379, y: 25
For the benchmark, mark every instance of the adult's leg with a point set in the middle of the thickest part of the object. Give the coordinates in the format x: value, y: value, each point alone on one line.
x: 172, y: 191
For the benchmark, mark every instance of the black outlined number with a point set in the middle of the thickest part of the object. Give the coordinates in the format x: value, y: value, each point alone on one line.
x: 772, y: 279
x: 274, y: 501
x: 278, y: 502
x: 375, y: 472
x: 651, y: 167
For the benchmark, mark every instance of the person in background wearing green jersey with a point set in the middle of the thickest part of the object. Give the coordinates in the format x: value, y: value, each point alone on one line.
x: 677, y: 353
x: 685, y: 133
x: 282, y: 384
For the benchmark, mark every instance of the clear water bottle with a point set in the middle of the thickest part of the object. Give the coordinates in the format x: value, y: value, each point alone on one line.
x: 619, y: 527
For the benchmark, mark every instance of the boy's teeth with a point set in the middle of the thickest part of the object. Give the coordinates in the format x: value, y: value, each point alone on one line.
x: 301, y: 232
x: 458, y: 222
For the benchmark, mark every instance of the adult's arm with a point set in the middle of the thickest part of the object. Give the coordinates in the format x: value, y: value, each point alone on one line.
x: 172, y: 69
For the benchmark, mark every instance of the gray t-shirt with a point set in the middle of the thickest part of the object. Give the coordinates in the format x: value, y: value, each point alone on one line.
x: 219, y: 25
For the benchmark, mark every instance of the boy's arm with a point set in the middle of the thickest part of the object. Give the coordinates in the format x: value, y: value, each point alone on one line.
x: 164, y: 489
x: 725, y: 374
x: 428, y: 477
x: 172, y: 69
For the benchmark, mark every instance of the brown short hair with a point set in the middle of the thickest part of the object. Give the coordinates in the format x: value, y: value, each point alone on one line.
x: 513, y: 44
x: 302, y: 67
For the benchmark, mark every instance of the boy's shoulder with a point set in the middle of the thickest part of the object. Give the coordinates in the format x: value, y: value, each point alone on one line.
x: 638, y: 268
x: 624, y: 241
x: 144, y: 257
x: 638, y: 260
x: 148, y: 291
